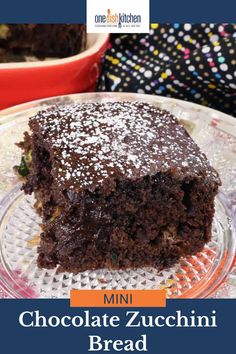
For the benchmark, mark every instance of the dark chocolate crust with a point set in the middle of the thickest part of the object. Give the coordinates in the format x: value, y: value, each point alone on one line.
x: 41, y: 40
x: 118, y: 185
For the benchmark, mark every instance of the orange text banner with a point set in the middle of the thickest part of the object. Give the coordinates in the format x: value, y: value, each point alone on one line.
x: 118, y: 298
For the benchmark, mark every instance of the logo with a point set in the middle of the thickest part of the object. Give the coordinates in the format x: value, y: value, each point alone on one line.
x: 117, y: 16
x: 114, y: 19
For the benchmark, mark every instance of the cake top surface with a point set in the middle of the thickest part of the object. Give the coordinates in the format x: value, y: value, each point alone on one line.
x: 91, y: 143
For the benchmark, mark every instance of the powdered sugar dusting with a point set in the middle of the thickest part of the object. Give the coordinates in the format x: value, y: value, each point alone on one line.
x: 92, y: 142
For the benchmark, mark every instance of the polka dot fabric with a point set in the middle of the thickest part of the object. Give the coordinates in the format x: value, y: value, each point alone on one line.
x: 194, y: 62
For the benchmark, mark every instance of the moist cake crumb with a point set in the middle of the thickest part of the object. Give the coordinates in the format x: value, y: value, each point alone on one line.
x: 27, y: 42
x: 120, y: 184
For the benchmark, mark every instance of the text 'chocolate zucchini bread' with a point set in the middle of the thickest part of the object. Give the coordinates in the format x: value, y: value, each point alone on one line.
x: 118, y: 185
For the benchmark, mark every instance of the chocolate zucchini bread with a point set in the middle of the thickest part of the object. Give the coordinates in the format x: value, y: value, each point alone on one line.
x: 118, y: 185
x: 40, y: 40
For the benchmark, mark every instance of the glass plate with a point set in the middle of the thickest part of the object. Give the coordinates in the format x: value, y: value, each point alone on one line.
x: 209, y: 273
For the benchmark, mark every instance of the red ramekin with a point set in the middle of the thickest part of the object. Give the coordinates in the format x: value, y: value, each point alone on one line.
x: 27, y: 81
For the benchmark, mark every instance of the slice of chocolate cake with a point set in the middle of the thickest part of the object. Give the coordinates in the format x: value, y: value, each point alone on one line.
x: 18, y: 41
x: 118, y: 185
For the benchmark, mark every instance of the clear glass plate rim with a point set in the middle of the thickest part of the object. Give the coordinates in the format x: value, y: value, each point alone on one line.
x: 11, y: 113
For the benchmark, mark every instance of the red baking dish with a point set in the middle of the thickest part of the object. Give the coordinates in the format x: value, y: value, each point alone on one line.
x: 26, y: 81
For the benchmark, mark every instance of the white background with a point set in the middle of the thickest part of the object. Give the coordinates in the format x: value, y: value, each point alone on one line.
x: 136, y: 7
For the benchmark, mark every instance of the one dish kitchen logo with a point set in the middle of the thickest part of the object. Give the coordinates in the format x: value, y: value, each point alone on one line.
x: 117, y: 16
x: 114, y: 19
